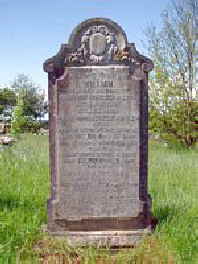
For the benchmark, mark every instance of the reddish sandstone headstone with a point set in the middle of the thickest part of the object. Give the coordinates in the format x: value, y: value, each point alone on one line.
x: 98, y: 137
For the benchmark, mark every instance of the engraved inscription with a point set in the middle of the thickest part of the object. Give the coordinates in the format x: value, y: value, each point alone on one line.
x: 98, y: 126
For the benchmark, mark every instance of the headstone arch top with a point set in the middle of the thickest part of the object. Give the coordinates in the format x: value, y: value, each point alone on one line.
x: 97, y: 42
x: 98, y: 130
x: 101, y: 25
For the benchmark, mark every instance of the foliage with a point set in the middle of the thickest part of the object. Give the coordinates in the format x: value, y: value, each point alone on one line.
x: 34, y: 104
x: 32, y: 126
x: 7, y: 101
x: 173, y: 90
x: 24, y: 188
x: 19, y: 121
x: 7, y: 97
x: 1, y: 109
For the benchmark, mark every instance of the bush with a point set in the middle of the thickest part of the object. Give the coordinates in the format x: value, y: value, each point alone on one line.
x: 19, y: 121
x: 32, y: 126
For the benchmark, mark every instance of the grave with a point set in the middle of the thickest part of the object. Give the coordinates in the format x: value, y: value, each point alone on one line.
x: 98, y: 111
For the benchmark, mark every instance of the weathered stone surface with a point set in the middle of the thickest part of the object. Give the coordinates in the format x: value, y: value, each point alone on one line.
x: 98, y: 136
x: 97, y: 44
x: 97, y: 130
x: 107, y: 239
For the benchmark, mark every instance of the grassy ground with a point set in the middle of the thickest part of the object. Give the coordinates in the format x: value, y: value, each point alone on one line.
x: 24, y: 187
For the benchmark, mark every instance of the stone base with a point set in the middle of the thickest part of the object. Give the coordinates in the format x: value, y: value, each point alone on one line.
x: 109, y: 239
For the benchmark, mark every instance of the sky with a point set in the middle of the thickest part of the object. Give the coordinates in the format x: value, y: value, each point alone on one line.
x: 32, y: 31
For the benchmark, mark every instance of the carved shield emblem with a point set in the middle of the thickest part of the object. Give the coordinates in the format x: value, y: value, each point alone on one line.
x: 97, y: 44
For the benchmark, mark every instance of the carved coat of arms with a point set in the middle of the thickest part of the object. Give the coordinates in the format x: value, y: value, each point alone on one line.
x: 98, y: 45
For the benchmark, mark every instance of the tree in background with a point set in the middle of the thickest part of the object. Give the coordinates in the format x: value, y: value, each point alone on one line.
x: 30, y: 106
x: 19, y: 121
x: 7, y: 102
x: 173, y: 105
x: 31, y: 95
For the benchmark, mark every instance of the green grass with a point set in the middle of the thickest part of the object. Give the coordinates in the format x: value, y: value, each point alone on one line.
x: 174, y: 189
x: 24, y: 188
x: 24, y: 185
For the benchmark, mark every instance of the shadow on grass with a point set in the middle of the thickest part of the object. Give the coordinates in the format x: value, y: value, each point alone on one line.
x: 13, y: 203
x: 166, y: 214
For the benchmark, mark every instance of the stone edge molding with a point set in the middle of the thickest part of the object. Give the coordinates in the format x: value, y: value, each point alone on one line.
x: 104, y: 239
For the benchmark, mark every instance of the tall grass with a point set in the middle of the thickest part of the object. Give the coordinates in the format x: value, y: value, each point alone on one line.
x: 24, y: 184
x: 173, y: 177
x: 24, y: 188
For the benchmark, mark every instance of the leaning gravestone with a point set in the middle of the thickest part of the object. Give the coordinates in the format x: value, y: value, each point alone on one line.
x: 98, y: 137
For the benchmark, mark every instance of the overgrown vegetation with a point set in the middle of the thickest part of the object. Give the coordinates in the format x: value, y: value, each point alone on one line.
x: 33, y: 98
x: 7, y: 99
x: 24, y: 189
x: 21, y: 123
x: 173, y: 85
x: 23, y: 103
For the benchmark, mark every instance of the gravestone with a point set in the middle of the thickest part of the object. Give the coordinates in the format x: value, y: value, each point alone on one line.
x: 98, y: 86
